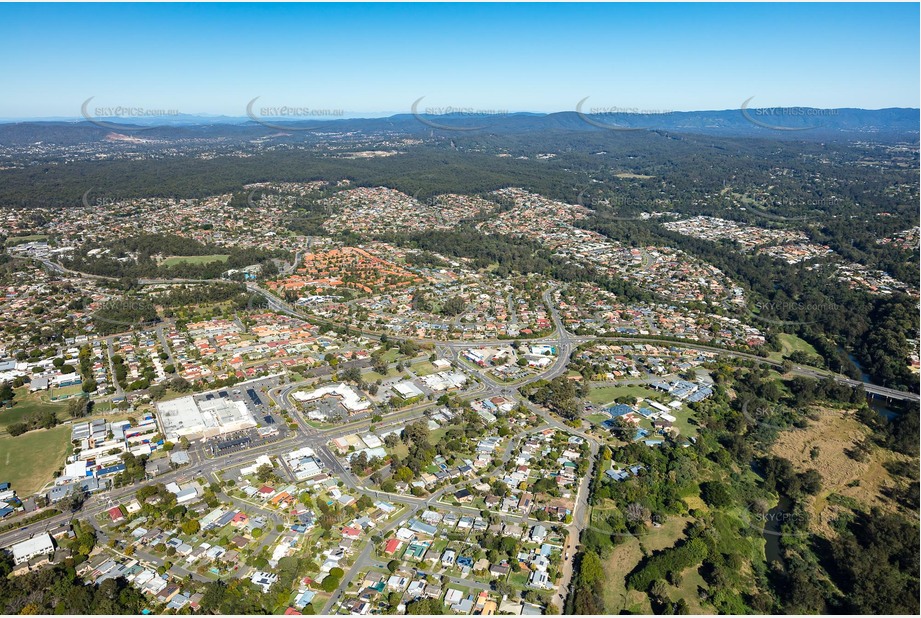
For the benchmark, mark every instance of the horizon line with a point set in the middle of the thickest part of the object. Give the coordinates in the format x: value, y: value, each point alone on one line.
x: 371, y: 115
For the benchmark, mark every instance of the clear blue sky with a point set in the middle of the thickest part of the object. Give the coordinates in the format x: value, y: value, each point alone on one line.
x: 366, y: 58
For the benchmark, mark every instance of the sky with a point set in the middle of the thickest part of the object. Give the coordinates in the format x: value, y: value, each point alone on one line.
x: 372, y: 59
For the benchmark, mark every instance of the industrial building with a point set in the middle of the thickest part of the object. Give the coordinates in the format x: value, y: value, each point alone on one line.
x: 347, y: 396
x: 194, y: 420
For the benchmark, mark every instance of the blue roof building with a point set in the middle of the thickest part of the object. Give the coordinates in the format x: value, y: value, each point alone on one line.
x: 304, y: 599
x: 619, y: 410
x: 640, y: 433
x: 110, y: 470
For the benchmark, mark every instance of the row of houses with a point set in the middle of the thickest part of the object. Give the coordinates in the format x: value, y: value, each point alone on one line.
x: 161, y: 589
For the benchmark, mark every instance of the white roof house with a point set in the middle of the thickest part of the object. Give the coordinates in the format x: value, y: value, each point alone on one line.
x: 36, y: 546
x: 264, y: 580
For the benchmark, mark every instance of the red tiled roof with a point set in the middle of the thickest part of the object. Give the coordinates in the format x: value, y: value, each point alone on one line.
x: 392, y: 546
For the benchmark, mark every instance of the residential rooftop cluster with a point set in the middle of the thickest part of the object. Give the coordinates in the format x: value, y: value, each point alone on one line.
x: 452, y: 551
x: 38, y: 306
x: 208, y: 220
x: 874, y: 281
x: 258, y: 342
x: 609, y: 362
x: 790, y: 245
x: 374, y: 210
x: 454, y: 559
x: 483, y: 307
x: 586, y: 308
x: 667, y: 272
x: 347, y: 267
x: 169, y: 540
x: 748, y: 236
x: 907, y: 239
x: 796, y: 252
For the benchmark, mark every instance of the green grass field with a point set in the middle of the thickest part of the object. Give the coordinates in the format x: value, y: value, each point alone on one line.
x: 391, y: 355
x: 423, y: 368
x: 625, y: 557
x: 195, y: 259
x: 28, y: 461
x: 607, y: 394
x: 66, y: 391
x: 18, y: 240
x: 790, y: 344
x: 437, y: 435
x: 25, y: 404
x: 683, y: 422
x: 373, y: 376
x: 402, y: 450
x: 691, y: 581
x: 519, y: 580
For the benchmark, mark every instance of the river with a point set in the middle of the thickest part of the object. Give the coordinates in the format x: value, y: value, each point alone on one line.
x: 771, y: 533
x: 877, y: 403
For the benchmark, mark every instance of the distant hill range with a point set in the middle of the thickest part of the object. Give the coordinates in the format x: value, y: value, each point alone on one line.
x: 781, y: 122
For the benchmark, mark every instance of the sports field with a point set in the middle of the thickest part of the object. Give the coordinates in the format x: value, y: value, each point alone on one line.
x: 195, y: 259
x: 29, y: 461
x: 25, y: 404
x: 607, y: 394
